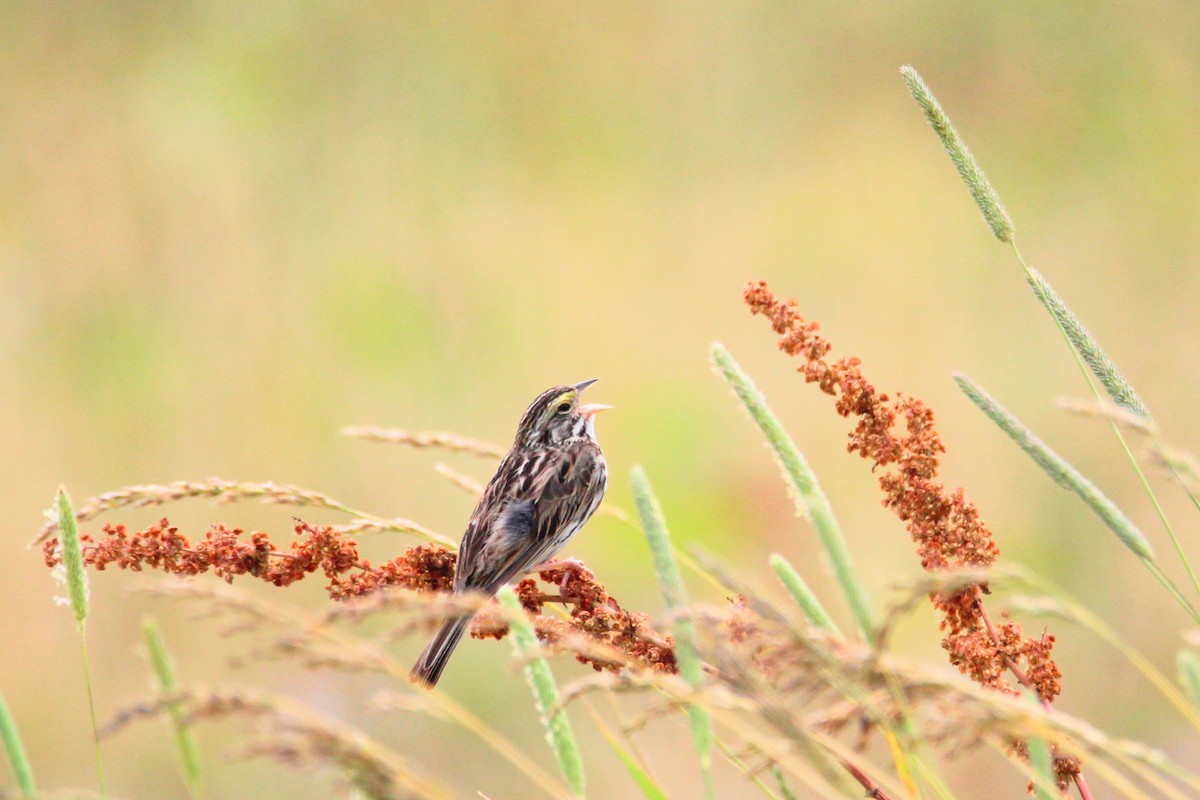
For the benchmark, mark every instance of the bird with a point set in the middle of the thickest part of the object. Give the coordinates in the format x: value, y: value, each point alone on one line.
x: 547, y: 486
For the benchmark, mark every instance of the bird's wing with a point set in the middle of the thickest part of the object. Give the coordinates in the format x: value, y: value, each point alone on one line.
x: 545, y: 492
x: 491, y: 503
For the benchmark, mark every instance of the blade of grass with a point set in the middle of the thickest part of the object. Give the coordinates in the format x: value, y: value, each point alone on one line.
x: 753, y: 774
x: 675, y: 599
x: 812, y: 503
x: 16, y: 752
x: 77, y: 592
x: 810, y: 500
x: 164, y: 672
x: 545, y: 692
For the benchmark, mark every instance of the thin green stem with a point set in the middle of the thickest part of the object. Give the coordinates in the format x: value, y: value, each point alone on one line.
x: 87, y: 678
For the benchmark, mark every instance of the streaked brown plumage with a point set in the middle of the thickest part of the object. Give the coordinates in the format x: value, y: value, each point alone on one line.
x: 543, y: 492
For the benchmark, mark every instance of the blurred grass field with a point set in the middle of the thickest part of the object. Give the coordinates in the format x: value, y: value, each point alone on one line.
x: 228, y: 230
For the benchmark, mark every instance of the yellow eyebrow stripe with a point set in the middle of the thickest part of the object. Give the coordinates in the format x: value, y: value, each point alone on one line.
x: 565, y: 397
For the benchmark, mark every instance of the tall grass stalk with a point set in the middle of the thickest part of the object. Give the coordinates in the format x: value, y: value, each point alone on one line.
x: 164, y: 673
x: 16, y: 752
x: 77, y: 593
x: 545, y: 692
x: 675, y: 600
x: 1070, y: 478
x: 810, y: 500
x: 785, y: 789
x: 1089, y: 356
x: 1087, y: 352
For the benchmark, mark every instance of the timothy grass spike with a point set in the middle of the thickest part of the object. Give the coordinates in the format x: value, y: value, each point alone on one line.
x: 809, y: 498
x: 72, y: 553
x: 164, y: 673
x: 799, y: 589
x: 675, y: 599
x: 77, y: 591
x: 968, y: 168
x: 1085, y: 344
x: 1058, y: 469
x: 545, y: 692
x: 16, y: 752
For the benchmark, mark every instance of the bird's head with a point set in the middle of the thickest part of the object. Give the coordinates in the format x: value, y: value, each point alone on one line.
x: 557, y: 416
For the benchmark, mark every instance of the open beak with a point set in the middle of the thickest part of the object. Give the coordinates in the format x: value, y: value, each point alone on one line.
x: 592, y: 409
x: 589, y: 410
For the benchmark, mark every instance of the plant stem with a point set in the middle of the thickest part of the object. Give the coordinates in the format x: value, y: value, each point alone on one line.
x: 87, y: 677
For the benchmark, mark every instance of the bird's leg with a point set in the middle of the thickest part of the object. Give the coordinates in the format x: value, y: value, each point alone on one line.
x: 567, y: 565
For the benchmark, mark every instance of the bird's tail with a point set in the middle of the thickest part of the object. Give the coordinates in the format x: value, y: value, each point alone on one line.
x: 433, y: 659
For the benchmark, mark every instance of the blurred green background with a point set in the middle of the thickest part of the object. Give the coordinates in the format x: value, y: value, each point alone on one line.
x: 229, y: 229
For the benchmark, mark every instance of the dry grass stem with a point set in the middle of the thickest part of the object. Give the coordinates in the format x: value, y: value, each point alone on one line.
x: 424, y: 439
x: 1102, y: 408
x: 223, y: 491
x: 380, y: 525
x: 1180, y: 464
x: 296, y: 736
x: 459, y: 479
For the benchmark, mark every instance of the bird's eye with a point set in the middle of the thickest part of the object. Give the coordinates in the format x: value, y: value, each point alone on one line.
x: 563, y: 408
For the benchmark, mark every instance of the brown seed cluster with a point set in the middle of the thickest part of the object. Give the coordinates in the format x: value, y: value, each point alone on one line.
x: 624, y: 637
x: 899, y: 437
x: 424, y: 568
x: 601, y: 618
x: 225, y: 551
x: 230, y: 552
